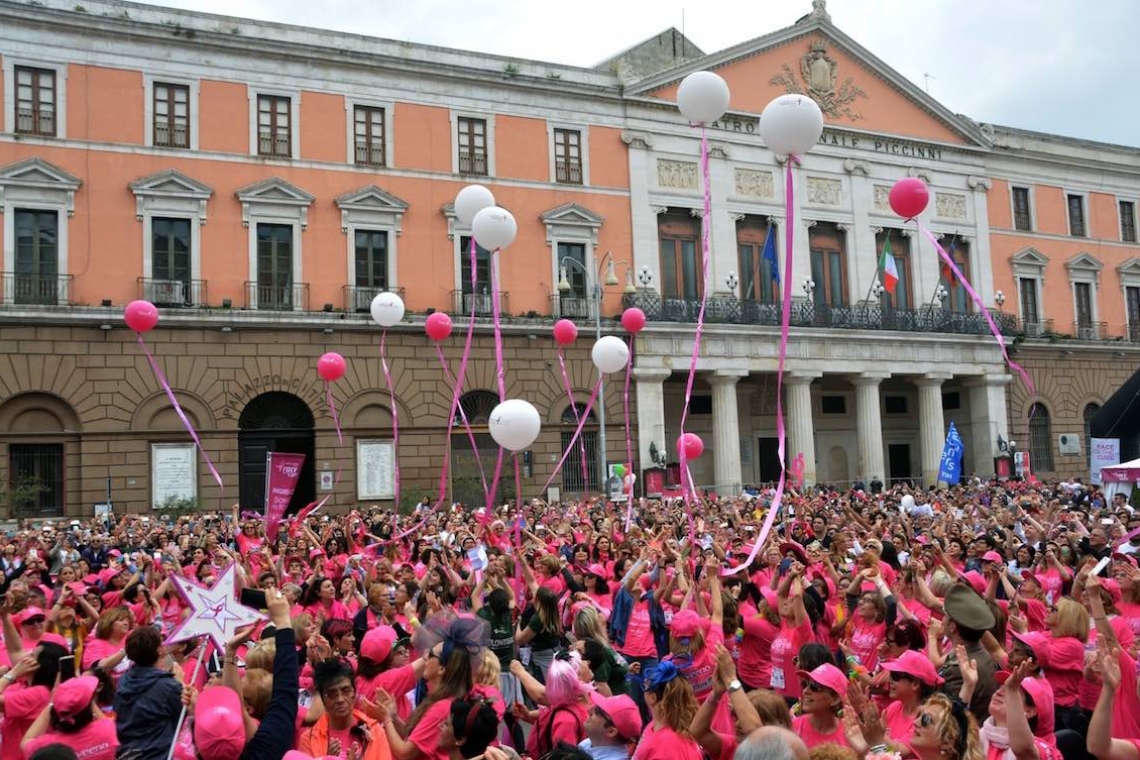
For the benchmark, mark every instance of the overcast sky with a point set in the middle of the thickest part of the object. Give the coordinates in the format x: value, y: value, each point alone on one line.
x: 1049, y: 65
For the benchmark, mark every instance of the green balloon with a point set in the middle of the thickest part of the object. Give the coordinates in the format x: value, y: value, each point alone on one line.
x: 619, y: 470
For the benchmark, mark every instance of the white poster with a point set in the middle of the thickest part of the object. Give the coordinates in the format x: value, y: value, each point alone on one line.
x: 375, y: 470
x: 1105, y: 452
x: 173, y: 472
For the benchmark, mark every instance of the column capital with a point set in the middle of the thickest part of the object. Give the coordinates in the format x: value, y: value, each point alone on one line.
x: 801, y: 377
x: 869, y: 378
x: 726, y: 376
x: 979, y: 381
x: 651, y: 374
x: 932, y: 379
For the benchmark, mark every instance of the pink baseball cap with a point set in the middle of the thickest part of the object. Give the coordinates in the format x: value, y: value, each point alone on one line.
x: 30, y: 613
x: 686, y: 623
x: 378, y: 643
x: 219, y: 728
x: 828, y: 676
x: 976, y: 580
x: 597, y: 569
x: 621, y: 711
x: 1037, y: 642
x: 73, y: 695
x: 913, y: 664
x: 1111, y: 586
x: 1041, y: 692
x: 992, y: 556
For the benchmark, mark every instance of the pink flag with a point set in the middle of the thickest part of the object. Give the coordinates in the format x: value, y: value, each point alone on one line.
x: 282, y: 471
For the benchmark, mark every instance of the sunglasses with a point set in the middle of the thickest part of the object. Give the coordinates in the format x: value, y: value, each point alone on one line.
x: 814, y: 687
x: 431, y: 655
x: 925, y: 719
x: 901, y: 677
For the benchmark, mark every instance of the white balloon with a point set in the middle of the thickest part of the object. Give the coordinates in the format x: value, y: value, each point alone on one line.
x: 494, y: 227
x: 791, y: 125
x: 514, y: 424
x: 470, y: 201
x: 610, y: 354
x: 703, y: 97
x: 907, y: 503
x: 387, y: 309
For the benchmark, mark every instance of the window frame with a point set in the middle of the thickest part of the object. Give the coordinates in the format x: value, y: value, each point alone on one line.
x: 747, y: 224
x: 1135, y: 238
x: 37, y: 102
x: 387, y: 106
x: 1084, y: 199
x: 10, y: 64
x: 62, y: 506
x: 193, y: 86
x: 254, y: 95
x: 274, y: 210
x: 965, y: 266
x: 489, y: 139
x: 172, y: 194
x: 372, y: 230
x: 1032, y: 209
x: 1035, y: 458
x: 189, y: 253
x: 680, y: 216
x: 1085, y: 269
x: 57, y: 194
x: 552, y: 129
x: 828, y: 288
x: 902, y: 263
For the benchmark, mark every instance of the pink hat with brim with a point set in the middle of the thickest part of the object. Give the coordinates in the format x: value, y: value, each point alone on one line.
x: 827, y: 676
x: 377, y: 643
x: 219, y: 727
x: 686, y: 623
x: 915, y: 665
x: 598, y: 570
x: 992, y: 556
x: 976, y: 580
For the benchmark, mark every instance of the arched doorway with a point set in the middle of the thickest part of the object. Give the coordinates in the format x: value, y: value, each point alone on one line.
x: 275, y: 422
x: 575, y: 480
x: 466, y: 485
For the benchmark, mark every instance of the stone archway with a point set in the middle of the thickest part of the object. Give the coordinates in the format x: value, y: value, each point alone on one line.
x: 275, y: 422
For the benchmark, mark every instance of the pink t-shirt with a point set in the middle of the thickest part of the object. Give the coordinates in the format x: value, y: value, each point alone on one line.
x: 900, y: 725
x: 639, y: 633
x: 604, y: 602
x: 1089, y: 690
x: 755, y: 664
x: 1064, y: 669
x: 1052, y: 584
x: 866, y: 636
x: 785, y: 649
x: 95, y: 741
x: 96, y: 649
x: 801, y: 725
x: 22, y: 705
x: 1126, y: 706
x: 700, y: 669
x: 666, y: 744
x: 397, y: 682
x: 426, y: 733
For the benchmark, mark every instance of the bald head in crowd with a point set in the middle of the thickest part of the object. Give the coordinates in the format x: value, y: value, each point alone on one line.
x: 772, y: 743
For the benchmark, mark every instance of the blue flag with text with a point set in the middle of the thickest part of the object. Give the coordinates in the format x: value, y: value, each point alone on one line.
x: 950, y: 470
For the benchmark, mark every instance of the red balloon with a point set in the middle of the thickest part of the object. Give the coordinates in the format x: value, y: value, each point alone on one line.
x: 692, y: 445
x: 633, y: 320
x: 909, y: 197
x: 331, y: 367
x: 141, y: 316
x: 565, y: 332
x: 438, y: 326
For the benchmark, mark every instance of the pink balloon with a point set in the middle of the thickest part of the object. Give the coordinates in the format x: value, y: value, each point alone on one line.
x: 633, y: 320
x: 692, y: 444
x: 438, y: 326
x: 331, y: 367
x: 909, y: 197
x: 141, y: 316
x: 565, y: 332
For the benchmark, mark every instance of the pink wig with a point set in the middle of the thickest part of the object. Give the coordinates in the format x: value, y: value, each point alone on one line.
x: 563, y: 686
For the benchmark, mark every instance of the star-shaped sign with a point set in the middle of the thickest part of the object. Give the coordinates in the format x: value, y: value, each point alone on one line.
x: 214, y: 611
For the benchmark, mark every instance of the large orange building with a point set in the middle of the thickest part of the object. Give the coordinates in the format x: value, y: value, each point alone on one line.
x: 262, y: 182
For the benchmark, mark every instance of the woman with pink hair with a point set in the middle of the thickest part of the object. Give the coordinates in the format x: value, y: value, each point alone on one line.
x: 563, y: 718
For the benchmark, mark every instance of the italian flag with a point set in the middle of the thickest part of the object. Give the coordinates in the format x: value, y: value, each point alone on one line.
x: 890, y: 271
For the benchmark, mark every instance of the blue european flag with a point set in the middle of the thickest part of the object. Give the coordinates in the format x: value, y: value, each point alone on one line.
x: 950, y: 470
x: 770, y: 254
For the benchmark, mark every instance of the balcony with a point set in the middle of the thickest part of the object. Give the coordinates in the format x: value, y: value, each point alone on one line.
x: 358, y: 298
x: 168, y: 135
x: 572, y: 307
x: 463, y: 302
x: 1090, y: 330
x: 294, y: 297
x: 35, y: 289
x: 276, y: 146
x: 472, y: 163
x: 726, y: 309
x: 35, y: 121
x: 1131, y: 332
x: 369, y: 152
x: 568, y: 172
x: 177, y: 294
x: 1037, y: 328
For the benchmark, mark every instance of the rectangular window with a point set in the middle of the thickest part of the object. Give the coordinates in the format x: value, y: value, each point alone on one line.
x: 575, y: 274
x: 828, y: 269
x: 951, y: 401
x: 700, y: 405
x: 1132, y: 305
x: 957, y: 299
x: 36, y: 276
x: 833, y: 404
x: 35, y: 101
x: 574, y: 478
x: 171, y: 115
x: 900, y: 251
x: 1128, y: 221
x: 756, y: 272
x: 368, y: 133
x: 275, y: 266
x: 372, y: 259
x: 894, y: 404
x: 680, y: 264
x: 472, y: 146
x: 1082, y: 295
x: 170, y: 261
x: 274, y: 126
x: 568, y: 156
x: 482, y: 268
x: 1022, y: 215
x: 36, y: 478
x: 1076, y: 205
x: 1030, y: 314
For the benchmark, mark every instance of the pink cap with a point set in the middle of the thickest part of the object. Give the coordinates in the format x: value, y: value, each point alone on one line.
x: 1111, y: 586
x: 827, y: 676
x: 73, y: 695
x: 797, y: 549
x: 31, y: 612
x: 106, y: 574
x: 1040, y: 692
x: 219, y: 728
x: 686, y: 623
x: 598, y: 570
x: 913, y: 664
x: 378, y: 642
x: 976, y: 580
x: 621, y: 711
x: 1037, y: 642
x: 1130, y: 558
x: 992, y: 556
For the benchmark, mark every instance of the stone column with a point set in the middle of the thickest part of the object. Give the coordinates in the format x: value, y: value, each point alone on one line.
x: 650, y: 412
x: 726, y: 430
x: 801, y: 426
x: 989, y: 419
x: 932, y: 426
x: 869, y: 425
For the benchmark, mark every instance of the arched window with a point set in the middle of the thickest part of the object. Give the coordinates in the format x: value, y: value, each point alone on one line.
x: 579, y: 477
x: 1040, y: 439
x: 1089, y: 413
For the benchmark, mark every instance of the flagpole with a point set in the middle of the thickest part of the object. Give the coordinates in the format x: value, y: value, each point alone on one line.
x: 938, y: 282
x: 878, y: 269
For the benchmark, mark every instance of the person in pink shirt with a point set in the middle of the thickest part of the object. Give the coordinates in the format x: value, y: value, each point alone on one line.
x: 378, y: 669
x: 913, y: 680
x: 598, y: 589
x: 1020, y: 726
x: 1127, y: 574
x: 72, y: 719
x: 1110, y: 738
x: 106, y: 648
x: 25, y: 691
x: 672, y: 707
x: 795, y: 631
x: 1068, y: 623
x: 319, y: 600
x: 823, y: 690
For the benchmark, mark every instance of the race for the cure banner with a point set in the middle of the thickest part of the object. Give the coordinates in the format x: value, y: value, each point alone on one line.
x: 281, y: 474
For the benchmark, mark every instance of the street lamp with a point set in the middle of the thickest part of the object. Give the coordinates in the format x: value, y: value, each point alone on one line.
x: 999, y: 299
x: 596, y: 293
x: 731, y: 282
x: 940, y: 293
x: 878, y: 289
x: 809, y: 286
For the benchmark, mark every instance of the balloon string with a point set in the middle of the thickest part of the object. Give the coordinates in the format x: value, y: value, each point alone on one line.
x: 577, y: 434
x: 332, y: 409
x: 499, y: 373
x: 573, y: 406
x: 785, y: 321
x: 628, y: 439
x: 395, y: 419
x: 455, y: 405
x: 158, y: 373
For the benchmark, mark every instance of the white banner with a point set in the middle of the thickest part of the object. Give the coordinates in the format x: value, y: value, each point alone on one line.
x: 1105, y: 453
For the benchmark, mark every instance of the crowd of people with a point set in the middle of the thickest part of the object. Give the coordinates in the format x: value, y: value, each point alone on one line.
x: 994, y: 620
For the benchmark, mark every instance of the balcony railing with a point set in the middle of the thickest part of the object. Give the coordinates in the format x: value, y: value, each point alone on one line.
x: 463, y: 302
x: 293, y: 297
x: 1090, y: 330
x: 472, y: 163
x: 274, y: 145
x: 168, y: 135
x: 358, y: 298
x: 1036, y: 328
x: 370, y: 152
x: 572, y: 307
x: 35, y: 121
x: 568, y: 172
x: 173, y: 293
x: 36, y: 290
x: 1131, y: 333
x: 725, y: 309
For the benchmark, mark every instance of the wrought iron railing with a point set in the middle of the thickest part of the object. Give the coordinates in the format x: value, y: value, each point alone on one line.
x: 1131, y: 333
x: 462, y: 302
x: 369, y: 152
x: 172, y: 293
x: 1036, y: 328
x: 275, y: 145
x: 358, y: 298
x: 277, y: 297
x: 572, y: 307
x: 568, y: 172
x: 35, y: 289
x: 35, y: 121
x: 472, y: 163
x: 168, y: 135
x: 1090, y: 330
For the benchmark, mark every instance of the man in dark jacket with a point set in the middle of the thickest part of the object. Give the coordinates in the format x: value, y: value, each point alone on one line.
x: 148, y: 701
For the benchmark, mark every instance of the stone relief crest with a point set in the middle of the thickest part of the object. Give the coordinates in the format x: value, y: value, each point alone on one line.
x: 819, y: 79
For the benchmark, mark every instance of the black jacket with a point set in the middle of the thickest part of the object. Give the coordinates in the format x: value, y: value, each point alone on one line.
x: 148, y: 704
x: 277, y: 731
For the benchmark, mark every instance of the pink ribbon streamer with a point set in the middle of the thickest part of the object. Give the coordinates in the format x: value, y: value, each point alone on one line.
x: 395, y: 419
x: 785, y: 321
x: 462, y: 415
x: 628, y: 440
x: 158, y: 373
x: 798, y: 470
x: 577, y: 434
x: 574, y: 406
x: 332, y: 410
x: 973, y: 294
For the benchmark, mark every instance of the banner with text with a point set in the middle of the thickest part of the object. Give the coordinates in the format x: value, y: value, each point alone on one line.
x: 281, y: 474
x: 1105, y: 452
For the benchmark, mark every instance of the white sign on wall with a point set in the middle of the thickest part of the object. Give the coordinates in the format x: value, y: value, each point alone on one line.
x: 375, y: 470
x: 1105, y: 452
x: 173, y: 472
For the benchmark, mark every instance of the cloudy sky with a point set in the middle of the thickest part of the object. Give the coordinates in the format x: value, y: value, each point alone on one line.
x: 1048, y: 65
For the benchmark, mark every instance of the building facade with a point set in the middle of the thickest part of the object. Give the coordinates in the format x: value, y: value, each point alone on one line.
x: 261, y: 183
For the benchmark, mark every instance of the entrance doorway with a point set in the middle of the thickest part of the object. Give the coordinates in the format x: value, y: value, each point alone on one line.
x: 466, y: 482
x: 898, y: 463
x: 769, y: 460
x: 275, y: 422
